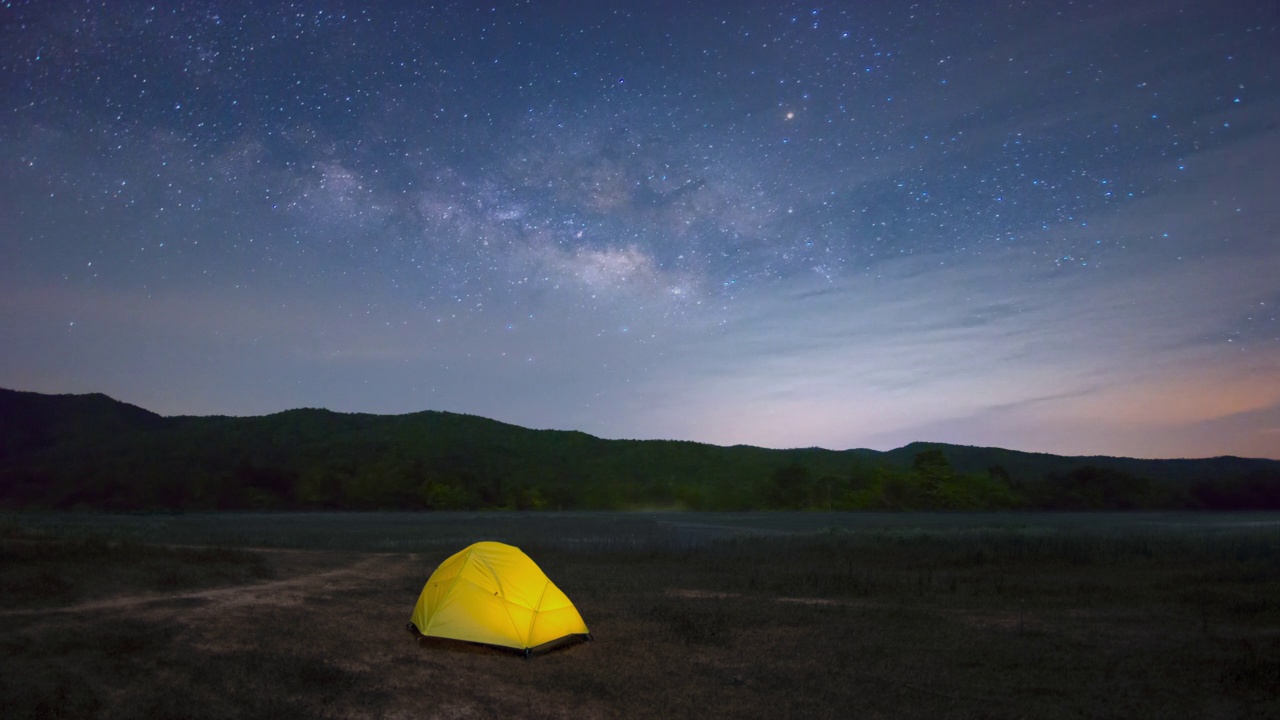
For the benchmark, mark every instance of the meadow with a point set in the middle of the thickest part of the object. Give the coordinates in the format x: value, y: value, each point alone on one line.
x: 813, y: 615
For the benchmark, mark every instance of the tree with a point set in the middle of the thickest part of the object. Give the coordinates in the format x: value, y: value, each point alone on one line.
x: 934, y: 472
x: 931, y: 463
x: 825, y: 491
x: 790, y: 486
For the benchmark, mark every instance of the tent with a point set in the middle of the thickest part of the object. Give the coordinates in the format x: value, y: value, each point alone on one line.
x: 494, y: 594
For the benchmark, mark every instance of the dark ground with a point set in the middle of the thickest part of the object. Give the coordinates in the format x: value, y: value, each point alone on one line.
x: 707, y: 615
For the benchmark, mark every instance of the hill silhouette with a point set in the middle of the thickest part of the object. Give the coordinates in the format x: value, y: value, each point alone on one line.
x: 65, y: 451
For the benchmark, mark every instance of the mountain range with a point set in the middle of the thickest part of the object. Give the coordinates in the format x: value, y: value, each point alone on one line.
x: 91, y: 451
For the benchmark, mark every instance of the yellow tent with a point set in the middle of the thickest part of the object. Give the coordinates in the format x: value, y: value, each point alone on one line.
x: 494, y: 594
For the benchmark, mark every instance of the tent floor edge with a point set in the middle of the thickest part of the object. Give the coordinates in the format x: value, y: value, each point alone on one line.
x: 456, y: 645
x: 550, y: 645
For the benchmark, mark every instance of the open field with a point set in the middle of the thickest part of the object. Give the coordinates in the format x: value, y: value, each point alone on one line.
x: 694, y: 615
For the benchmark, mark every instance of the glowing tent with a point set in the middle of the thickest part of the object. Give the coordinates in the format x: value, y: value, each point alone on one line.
x: 494, y: 594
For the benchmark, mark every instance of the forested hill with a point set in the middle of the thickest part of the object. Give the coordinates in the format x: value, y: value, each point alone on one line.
x: 66, y: 451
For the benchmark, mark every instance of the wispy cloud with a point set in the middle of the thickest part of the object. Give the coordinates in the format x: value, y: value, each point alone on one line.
x: 881, y: 360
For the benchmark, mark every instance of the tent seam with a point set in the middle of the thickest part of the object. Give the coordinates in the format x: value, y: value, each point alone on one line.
x: 506, y: 604
x: 449, y: 592
x: 534, y: 618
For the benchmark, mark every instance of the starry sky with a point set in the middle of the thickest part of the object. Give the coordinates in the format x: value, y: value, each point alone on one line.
x: 1037, y: 224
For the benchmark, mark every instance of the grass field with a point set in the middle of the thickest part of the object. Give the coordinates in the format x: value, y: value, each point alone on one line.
x: 776, y: 615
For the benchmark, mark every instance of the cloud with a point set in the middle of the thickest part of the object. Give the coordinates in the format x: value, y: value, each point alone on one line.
x: 1193, y: 414
x: 927, y: 348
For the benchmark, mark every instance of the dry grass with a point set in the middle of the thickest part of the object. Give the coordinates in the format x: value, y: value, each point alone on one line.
x: 963, y: 623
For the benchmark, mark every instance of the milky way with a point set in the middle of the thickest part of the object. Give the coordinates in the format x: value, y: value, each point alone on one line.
x: 1044, y: 225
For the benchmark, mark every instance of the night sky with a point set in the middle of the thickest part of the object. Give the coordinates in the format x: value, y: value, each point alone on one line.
x: 1042, y: 225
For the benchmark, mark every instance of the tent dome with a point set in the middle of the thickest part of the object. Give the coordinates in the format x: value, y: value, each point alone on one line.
x: 494, y: 594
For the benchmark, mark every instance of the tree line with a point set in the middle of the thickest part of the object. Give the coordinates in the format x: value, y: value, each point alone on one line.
x: 94, y: 452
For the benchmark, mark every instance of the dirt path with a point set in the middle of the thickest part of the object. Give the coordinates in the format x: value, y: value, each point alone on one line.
x: 288, y: 591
